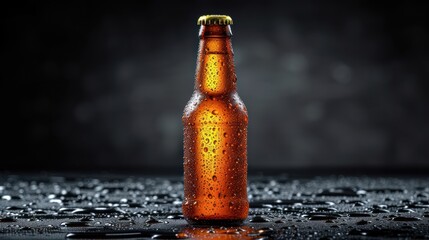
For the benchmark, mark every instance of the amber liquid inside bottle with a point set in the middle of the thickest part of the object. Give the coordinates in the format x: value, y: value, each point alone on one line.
x: 215, y: 136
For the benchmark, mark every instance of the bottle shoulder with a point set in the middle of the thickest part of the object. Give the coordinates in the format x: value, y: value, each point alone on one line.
x: 220, y: 109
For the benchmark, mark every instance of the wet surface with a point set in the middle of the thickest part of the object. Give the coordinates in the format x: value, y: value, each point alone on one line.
x: 331, y: 207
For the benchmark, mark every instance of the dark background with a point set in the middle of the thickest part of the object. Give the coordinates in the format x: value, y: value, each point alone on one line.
x: 101, y: 85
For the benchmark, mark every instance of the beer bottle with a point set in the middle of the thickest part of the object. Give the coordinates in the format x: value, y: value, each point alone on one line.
x: 215, y: 133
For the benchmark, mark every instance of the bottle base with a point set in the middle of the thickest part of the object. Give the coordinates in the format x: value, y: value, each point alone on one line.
x: 215, y: 222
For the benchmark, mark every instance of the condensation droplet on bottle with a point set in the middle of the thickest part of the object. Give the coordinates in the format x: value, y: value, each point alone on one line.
x: 225, y: 134
x: 206, y: 149
x: 214, y: 178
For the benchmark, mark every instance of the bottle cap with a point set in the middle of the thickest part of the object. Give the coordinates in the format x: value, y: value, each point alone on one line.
x: 214, y: 20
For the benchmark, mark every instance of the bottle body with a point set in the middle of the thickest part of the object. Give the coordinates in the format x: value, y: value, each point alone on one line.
x: 215, y: 137
x: 215, y: 161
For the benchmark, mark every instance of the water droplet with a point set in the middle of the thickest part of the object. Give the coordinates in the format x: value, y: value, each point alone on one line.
x: 324, y: 217
x: 7, y: 219
x: 406, y: 219
x: 358, y: 214
x: 152, y: 220
x: 380, y: 210
x: 363, y: 222
x: 74, y: 224
x: 259, y: 219
x: 406, y: 210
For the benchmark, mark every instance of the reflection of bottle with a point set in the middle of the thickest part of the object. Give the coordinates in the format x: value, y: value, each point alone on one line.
x: 215, y: 133
x: 220, y: 233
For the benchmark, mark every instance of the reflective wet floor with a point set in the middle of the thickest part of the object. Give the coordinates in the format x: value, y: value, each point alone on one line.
x: 328, y: 207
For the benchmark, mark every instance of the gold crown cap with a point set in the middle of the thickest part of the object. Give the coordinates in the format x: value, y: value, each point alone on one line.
x: 214, y: 20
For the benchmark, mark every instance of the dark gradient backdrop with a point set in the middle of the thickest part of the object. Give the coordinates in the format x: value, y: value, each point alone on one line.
x: 102, y: 85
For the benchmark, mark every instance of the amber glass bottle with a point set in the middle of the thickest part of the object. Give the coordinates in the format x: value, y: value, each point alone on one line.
x: 215, y: 133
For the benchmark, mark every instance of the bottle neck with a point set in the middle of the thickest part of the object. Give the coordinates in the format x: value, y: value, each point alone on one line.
x: 215, y: 74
